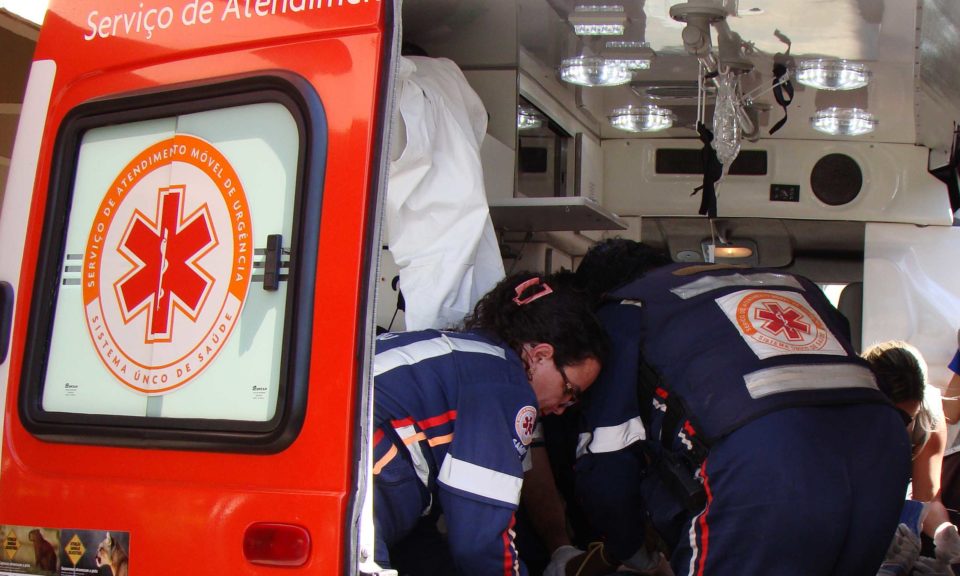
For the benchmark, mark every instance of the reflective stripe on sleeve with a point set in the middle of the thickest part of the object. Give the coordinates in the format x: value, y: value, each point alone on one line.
x: 426, y: 349
x: 807, y: 377
x: 386, y: 459
x: 611, y: 438
x: 411, y: 439
x: 708, y: 283
x: 481, y: 481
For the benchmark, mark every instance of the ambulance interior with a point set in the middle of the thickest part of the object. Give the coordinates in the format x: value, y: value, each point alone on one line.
x: 868, y: 210
x: 864, y: 203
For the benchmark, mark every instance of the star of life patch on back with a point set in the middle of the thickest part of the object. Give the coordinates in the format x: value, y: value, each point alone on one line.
x: 775, y: 322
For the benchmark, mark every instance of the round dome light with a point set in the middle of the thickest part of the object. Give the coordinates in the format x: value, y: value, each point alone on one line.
x: 843, y: 121
x: 832, y: 74
x: 592, y: 71
x: 646, y: 118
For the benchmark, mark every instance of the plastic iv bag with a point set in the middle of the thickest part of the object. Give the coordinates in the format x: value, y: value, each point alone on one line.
x: 726, y: 120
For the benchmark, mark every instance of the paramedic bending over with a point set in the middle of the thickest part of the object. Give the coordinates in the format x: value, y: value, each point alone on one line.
x: 754, y: 441
x: 455, y: 413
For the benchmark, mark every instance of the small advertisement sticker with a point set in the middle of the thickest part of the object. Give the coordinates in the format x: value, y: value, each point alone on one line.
x: 63, y: 552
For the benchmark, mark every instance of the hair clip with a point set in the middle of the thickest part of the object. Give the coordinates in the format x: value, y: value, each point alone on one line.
x: 531, y: 282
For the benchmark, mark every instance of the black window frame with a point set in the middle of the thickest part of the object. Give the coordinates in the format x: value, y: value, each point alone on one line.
x: 218, y: 435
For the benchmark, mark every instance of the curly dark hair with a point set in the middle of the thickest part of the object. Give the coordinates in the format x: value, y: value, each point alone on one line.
x: 561, y: 318
x: 614, y: 262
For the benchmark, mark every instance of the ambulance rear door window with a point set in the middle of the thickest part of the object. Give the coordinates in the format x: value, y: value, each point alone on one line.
x: 162, y: 318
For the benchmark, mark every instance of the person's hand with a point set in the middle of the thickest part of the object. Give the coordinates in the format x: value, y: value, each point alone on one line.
x: 902, y: 553
x: 559, y: 559
x: 925, y: 566
x: 947, y: 542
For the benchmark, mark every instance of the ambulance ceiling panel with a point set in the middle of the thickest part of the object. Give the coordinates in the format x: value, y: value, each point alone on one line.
x: 884, y: 34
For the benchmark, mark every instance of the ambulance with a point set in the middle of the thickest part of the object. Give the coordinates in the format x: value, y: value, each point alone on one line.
x: 194, y: 262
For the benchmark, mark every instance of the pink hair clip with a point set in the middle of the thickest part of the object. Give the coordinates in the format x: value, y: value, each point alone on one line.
x: 531, y: 282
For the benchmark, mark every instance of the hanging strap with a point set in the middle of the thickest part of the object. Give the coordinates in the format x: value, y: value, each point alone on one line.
x: 712, y: 171
x: 782, y: 92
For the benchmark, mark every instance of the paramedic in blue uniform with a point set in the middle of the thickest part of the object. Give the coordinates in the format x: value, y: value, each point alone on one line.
x: 455, y: 414
x: 733, y: 413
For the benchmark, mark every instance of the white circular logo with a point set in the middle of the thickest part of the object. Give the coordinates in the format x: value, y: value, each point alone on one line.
x: 782, y: 322
x: 525, y: 423
x: 167, y: 264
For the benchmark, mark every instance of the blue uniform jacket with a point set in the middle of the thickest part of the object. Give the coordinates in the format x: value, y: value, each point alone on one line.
x: 458, y: 410
x: 728, y: 345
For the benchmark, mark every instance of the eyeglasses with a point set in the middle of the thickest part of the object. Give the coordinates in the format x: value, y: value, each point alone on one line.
x: 568, y: 388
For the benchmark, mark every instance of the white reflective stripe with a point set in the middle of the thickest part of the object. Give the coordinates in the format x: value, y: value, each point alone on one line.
x: 481, y: 481
x: 694, y: 551
x: 416, y: 454
x: 807, y: 377
x: 426, y: 349
x: 611, y: 438
x: 708, y: 283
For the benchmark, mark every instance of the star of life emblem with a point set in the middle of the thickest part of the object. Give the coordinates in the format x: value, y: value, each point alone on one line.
x: 774, y: 322
x: 525, y: 424
x: 167, y: 264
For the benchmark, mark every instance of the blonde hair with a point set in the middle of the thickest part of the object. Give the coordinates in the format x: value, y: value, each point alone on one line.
x: 901, y: 374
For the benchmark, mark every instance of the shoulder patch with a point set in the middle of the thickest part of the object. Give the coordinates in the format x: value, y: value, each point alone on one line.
x: 525, y: 424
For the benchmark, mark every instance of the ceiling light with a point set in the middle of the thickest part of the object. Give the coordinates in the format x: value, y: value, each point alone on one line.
x: 592, y: 71
x: 528, y: 119
x: 843, y: 121
x: 598, y: 20
x: 645, y: 118
x: 630, y: 55
x: 731, y: 252
x: 832, y: 74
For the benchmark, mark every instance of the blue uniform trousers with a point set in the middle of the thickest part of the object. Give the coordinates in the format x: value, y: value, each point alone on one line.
x: 804, y: 491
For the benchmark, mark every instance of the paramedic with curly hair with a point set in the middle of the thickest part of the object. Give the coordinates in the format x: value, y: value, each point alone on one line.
x: 455, y: 414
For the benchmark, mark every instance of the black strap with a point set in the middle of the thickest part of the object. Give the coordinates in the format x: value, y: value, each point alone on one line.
x: 783, y: 93
x: 675, y: 469
x: 712, y: 171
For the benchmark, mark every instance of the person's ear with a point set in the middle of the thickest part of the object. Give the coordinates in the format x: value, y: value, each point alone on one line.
x: 541, y: 352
